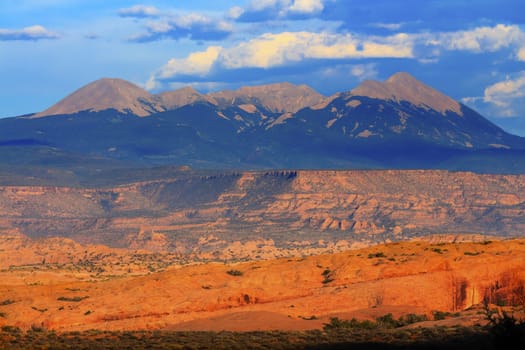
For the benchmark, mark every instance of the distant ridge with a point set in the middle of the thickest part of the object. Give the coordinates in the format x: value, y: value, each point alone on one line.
x: 182, y: 97
x: 279, y: 98
x: 398, y: 123
x: 126, y: 97
x: 123, y: 96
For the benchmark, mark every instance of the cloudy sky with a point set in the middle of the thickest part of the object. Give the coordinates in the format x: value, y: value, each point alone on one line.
x: 472, y: 50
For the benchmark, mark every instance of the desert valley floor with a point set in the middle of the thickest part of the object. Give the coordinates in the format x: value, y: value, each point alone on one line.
x: 281, y: 251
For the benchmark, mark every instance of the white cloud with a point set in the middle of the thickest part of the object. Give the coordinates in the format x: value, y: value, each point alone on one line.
x: 35, y: 32
x: 139, y: 11
x: 196, y: 64
x: 471, y: 100
x: 364, y: 71
x: 270, y: 50
x: 481, y: 39
x: 306, y: 6
x: 521, y: 54
x: 503, y: 99
x: 264, y: 4
x: 299, y: 49
x: 506, y: 93
x: 235, y: 12
x: 389, y: 26
x: 193, y: 26
x: 289, y: 48
x: 263, y: 10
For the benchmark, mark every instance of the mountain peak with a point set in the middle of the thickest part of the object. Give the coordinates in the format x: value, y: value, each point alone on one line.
x: 106, y: 93
x: 183, y: 96
x: 402, y: 78
x: 404, y: 87
x: 279, y: 97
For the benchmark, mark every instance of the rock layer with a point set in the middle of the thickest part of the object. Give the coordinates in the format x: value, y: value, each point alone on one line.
x: 265, y: 214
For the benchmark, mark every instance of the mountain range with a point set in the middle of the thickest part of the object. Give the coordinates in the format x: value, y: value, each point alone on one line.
x: 399, y: 123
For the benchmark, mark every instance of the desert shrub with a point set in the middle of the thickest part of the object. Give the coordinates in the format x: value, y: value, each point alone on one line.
x: 37, y: 329
x: 311, y: 318
x: 441, y: 315
x: 376, y: 255
x: 3, y: 315
x: 234, y: 272
x: 10, y: 329
x: 337, y: 324
x: 327, y: 274
x: 507, y: 331
x: 471, y: 253
x: 6, y: 302
x: 387, y: 321
x: 39, y: 310
x: 412, y: 318
x: 74, y: 299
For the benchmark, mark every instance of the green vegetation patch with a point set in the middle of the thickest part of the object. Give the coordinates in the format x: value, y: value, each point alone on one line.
x: 234, y: 272
x: 364, y: 336
x: 74, y: 299
x: 376, y: 255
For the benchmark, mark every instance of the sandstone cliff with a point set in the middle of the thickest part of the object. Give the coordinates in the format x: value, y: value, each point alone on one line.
x: 237, y: 215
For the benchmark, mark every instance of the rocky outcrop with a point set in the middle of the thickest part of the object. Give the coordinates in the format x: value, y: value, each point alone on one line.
x: 219, y: 214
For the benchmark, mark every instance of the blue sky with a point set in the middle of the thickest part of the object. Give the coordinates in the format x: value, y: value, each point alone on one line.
x: 473, y: 51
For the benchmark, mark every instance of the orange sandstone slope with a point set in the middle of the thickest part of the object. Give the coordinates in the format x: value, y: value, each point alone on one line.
x: 275, y: 294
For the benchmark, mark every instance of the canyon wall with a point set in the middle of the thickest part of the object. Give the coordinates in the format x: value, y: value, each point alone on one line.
x: 257, y: 213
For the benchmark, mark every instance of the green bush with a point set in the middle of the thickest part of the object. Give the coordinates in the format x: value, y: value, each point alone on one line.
x: 10, y: 329
x: 74, y: 299
x: 412, y: 318
x: 441, y: 315
x: 337, y: 324
x: 471, y: 253
x: 327, y: 274
x: 387, y: 321
x: 234, y: 272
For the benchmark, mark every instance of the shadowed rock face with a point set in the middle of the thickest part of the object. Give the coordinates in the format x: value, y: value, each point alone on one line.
x: 264, y: 213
